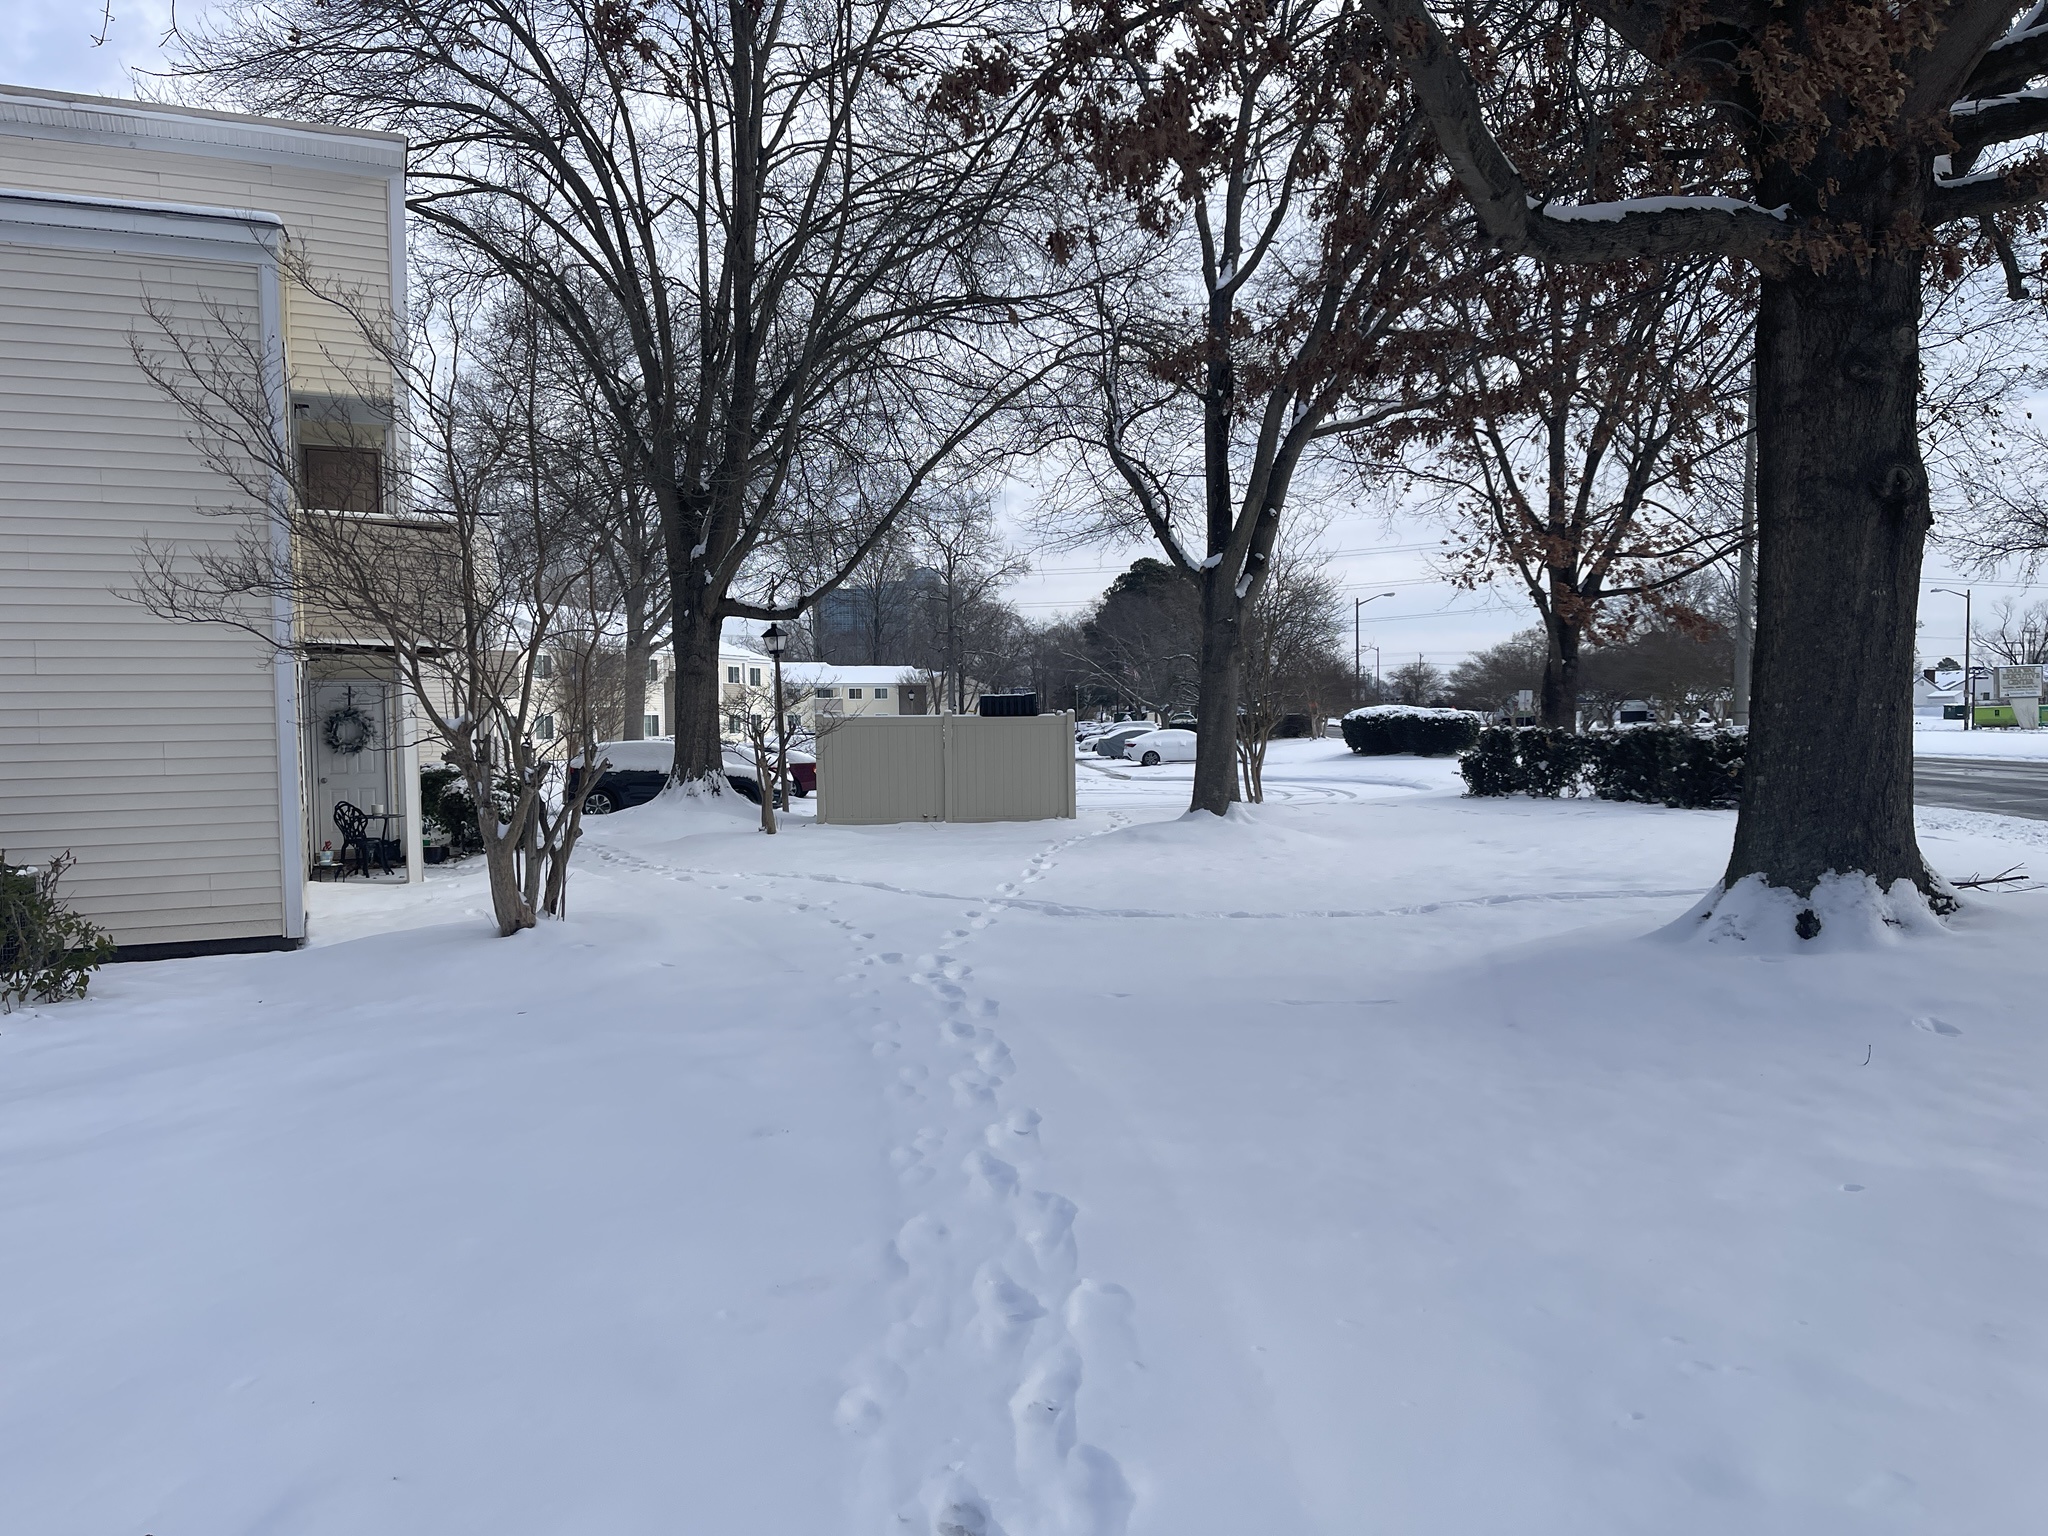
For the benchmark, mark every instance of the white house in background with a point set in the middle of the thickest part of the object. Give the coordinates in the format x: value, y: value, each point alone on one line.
x: 814, y: 691
x: 186, y: 767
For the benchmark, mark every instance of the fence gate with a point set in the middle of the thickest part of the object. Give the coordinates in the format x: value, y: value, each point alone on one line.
x: 876, y: 769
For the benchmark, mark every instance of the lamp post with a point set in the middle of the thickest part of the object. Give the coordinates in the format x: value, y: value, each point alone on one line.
x: 776, y: 642
x: 1357, y: 651
x: 1969, y: 693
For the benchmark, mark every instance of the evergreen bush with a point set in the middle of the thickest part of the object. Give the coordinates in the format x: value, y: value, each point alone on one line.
x: 47, y: 951
x: 1670, y: 765
x: 1382, y: 729
x: 445, y: 803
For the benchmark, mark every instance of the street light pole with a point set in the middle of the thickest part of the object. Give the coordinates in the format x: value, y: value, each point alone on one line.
x: 1969, y: 694
x: 1745, y: 569
x: 777, y: 642
x: 1357, y: 652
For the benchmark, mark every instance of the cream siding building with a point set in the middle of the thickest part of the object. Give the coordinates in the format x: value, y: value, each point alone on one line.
x: 171, y: 758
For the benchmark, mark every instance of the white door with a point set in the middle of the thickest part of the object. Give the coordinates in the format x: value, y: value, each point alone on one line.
x: 361, y: 777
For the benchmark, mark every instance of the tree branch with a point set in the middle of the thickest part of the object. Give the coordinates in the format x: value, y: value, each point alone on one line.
x: 1988, y: 192
x: 1517, y: 221
x: 1977, y: 125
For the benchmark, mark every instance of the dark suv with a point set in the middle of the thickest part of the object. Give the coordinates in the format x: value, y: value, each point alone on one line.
x: 637, y: 771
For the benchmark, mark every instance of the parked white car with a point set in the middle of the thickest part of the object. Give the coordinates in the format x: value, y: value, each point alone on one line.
x: 1169, y: 746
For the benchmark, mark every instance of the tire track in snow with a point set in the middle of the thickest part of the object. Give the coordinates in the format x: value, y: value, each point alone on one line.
x: 967, y: 1403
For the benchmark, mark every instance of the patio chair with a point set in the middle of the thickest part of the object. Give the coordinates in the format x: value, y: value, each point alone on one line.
x: 353, y: 823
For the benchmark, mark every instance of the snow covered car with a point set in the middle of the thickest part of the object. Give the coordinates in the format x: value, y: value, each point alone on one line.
x: 1168, y: 746
x: 1111, y: 742
x: 637, y: 771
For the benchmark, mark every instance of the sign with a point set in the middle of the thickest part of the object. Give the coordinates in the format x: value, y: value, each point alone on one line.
x: 2020, y: 681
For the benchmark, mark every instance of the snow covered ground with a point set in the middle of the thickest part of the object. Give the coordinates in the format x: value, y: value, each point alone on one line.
x: 1369, y: 1163
x: 1947, y: 738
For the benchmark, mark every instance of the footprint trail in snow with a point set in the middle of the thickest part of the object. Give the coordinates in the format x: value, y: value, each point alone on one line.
x: 968, y: 1404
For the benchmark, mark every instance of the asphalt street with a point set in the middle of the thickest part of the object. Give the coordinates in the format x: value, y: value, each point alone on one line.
x: 1980, y: 784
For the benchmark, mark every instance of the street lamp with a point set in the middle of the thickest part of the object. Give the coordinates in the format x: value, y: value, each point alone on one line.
x: 1969, y: 693
x: 776, y: 642
x: 1357, y: 651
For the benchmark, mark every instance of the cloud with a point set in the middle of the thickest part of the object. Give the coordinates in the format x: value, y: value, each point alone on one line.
x: 49, y: 43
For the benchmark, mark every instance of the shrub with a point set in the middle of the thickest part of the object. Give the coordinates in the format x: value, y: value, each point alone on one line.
x: 1535, y: 761
x: 445, y: 803
x: 1658, y: 764
x: 1381, y: 729
x: 1668, y: 765
x: 47, y: 951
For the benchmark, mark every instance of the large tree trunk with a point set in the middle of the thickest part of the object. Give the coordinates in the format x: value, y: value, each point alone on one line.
x: 1842, y: 520
x: 1561, y: 676
x: 1216, y: 704
x: 698, y: 751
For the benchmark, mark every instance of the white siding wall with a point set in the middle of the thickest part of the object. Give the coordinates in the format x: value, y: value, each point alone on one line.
x: 147, y: 748
x: 339, y: 222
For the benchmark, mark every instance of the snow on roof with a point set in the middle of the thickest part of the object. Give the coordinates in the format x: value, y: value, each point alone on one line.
x: 819, y: 674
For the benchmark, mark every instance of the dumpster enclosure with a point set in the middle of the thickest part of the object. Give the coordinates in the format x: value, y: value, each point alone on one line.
x: 876, y: 769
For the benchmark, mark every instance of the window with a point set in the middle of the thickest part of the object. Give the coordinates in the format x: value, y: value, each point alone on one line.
x: 654, y: 671
x: 544, y: 728
x: 853, y: 693
x: 343, y: 479
x: 544, y: 666
x: 735, y: 725
x: 793, y: 724
x: 881, y: 693
x: 732, y: 674
x: 651, y: 725
x: 825, y: 693
x: 753, y: 677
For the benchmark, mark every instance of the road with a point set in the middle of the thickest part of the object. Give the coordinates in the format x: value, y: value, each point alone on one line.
x: 1983, y: 784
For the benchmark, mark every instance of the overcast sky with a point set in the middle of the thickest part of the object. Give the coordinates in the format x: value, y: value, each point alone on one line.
x: 50, y: 43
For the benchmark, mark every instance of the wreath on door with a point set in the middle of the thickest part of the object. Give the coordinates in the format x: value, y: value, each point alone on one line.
x: 348, y: 730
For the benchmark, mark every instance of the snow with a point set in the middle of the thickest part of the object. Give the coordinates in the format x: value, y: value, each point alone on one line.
x: 1371, y: 1159
x: 1421, y: 710
x: 1947, y: 738
x: 1614, y: 213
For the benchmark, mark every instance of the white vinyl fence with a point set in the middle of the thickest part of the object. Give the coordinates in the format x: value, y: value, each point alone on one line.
x: 885, y: 768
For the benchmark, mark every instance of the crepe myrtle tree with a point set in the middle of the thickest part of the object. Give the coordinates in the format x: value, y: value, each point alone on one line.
x: 452, y: 542
x: 790, y: 245
x: 1266, y: 208
x: 1848, y: 152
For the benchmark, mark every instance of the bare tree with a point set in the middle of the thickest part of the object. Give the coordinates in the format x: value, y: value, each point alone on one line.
x: 1142, y: 643
x: 1291, y: 656
x: 1489, y: 680
x: 2016, y: 636
x: 789, y: 246
x: 1836, y: 148
x: 441, y: 546
x: 953, y: 536
x: 1572, y: 438
x: 1415, y: 683
x: 1282, y: 198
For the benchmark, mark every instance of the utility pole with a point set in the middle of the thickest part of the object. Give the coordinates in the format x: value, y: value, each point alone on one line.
x: 1357, y: 651
x: 1745, y: 568
x: 1969, y: 693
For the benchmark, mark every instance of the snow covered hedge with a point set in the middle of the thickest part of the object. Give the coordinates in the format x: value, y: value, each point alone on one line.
x: 1670, y: 765
x: 1380, y: 729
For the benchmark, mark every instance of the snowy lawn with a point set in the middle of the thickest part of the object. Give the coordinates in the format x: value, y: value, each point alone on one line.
x: 1947, y: 738
x: 1368, y: 1164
